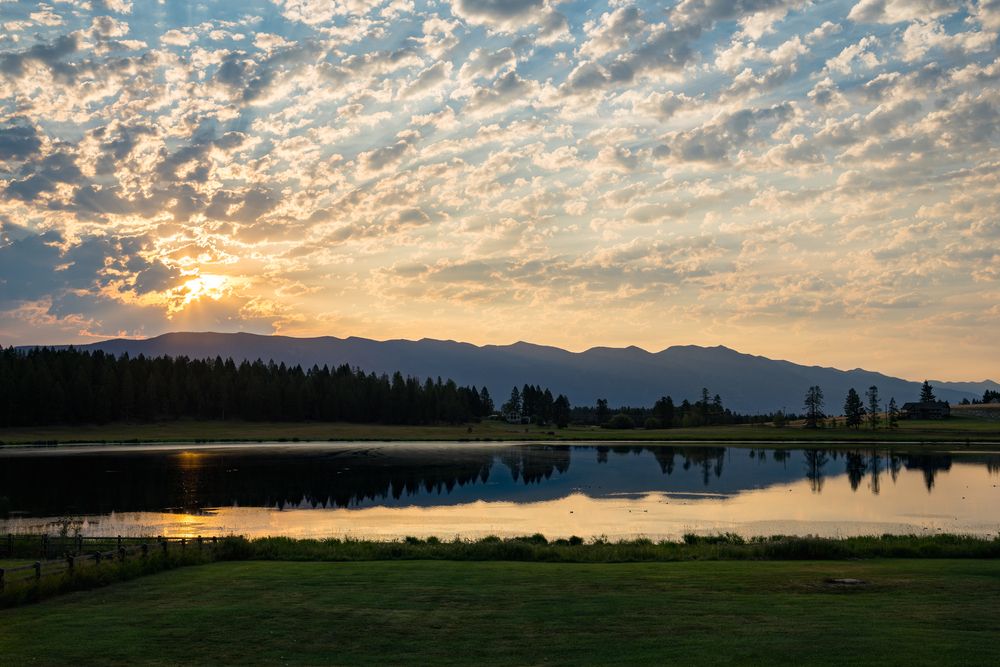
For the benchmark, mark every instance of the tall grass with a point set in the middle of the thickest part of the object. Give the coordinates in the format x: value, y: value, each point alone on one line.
x: 537, y: 548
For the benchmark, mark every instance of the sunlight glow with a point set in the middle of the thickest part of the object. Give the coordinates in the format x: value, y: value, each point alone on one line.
x: 207, y: 286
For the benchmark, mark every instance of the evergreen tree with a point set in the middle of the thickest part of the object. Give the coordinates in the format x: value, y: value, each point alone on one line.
x: 814, y: 406
x: 926, y: 392
x: 561, y: 411
x: 854, y: 410
x: 873, y: 406
x: 663, y: 410
x: 513, y: 406
x: 486, y: 401
x: 892, y: 414
x: 602, y: 413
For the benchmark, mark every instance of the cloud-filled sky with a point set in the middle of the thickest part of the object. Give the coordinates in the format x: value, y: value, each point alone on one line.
x: 809, y: 180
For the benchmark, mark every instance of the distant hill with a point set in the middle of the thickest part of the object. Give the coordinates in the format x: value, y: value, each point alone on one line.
x: 625, y: 376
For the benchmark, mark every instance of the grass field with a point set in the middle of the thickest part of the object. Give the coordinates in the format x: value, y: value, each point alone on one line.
x: 958, y: 430
x: 423, y: 612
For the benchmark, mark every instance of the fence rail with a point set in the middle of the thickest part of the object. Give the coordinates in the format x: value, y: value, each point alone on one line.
x: 79, y: 552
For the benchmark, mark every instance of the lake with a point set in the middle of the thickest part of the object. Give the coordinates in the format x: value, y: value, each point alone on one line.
x: 391, y: 490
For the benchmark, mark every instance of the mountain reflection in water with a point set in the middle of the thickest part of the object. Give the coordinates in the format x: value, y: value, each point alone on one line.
x: 449, y: 489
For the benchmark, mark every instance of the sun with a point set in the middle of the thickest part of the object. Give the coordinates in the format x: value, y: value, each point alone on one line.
x: 204, y: 286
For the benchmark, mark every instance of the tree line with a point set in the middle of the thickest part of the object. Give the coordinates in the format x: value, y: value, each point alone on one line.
x: 534, y: 405
x: 707, y: 410
x: 66, y: 386
x: 989, y: 396
x: 869, y: 412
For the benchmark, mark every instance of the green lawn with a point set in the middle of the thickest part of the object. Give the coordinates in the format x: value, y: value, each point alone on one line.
x: 431, y: 613
x: 957, y: 431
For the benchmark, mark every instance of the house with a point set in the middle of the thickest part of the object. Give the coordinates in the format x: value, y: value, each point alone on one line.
x: 926, y: 410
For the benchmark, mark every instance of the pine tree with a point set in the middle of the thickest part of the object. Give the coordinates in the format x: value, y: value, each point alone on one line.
x: 927, y: 393
x: 892, y: 414
x: 486, y: 401
x: 602, y: 412
x: 814, y: 406
x: 854, y: 409
x: 873, y: 406
x: 513, y: 406
x: 561, y: 411
x: 663, y: 410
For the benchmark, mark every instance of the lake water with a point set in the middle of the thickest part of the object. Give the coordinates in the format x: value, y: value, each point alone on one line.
x: 391, y: 490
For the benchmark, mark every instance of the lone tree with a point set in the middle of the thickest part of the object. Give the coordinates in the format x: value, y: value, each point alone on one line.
x: 873, y: 406
x: 814, y: 406
x: 854, y: 410
x: 892, y: 414
x: 927, y: 392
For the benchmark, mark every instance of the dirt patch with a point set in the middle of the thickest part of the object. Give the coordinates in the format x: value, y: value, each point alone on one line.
x: 845, y: 582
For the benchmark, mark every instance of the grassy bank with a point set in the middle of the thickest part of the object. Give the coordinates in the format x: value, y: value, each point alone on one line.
x: 429, y: 612
x: 959, y: 430
x: 575, y: 550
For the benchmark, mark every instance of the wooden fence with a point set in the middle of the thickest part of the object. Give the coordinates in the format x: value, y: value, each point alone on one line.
x: 80, y: 552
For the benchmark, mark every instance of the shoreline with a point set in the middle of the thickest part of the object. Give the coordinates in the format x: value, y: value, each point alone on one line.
x: 960, y: 433
x: 83, y: 446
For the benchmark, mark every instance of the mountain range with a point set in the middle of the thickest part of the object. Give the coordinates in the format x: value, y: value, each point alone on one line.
x: 624, y: 376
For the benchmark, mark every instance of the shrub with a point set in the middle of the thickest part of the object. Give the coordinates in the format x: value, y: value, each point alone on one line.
x: 620, y: 421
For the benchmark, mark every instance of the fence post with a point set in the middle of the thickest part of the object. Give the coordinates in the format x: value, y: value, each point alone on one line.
x: 45, y: 546
x: 79, y: 544
x: 164, y: 544
x: 70, y: 562
x: 199, y: 543
x: 119, y: 541
x: 38, y: 570
x: 183, y: 543
x: 97, y: 557
x: 145, y: 549
x: 10, y: 545
x: 2, y: 573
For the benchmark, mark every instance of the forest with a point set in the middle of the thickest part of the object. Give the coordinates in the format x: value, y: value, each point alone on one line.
x: 44, y: 386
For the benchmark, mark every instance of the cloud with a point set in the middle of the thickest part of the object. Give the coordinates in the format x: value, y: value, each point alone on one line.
x: 505, y: 92
x: 688, y: 169
x: 377, y: 160
x: 18, y: 142
x: 897, y: 11
x: 501, y: 14
x: 50, y: 55
x: 717, y: 139
x: 428, y: 80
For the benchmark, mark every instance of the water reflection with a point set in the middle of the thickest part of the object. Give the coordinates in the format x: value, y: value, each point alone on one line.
x: 449, y: 489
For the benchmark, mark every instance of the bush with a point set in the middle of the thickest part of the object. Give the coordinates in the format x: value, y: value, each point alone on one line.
x: 620, y: 421
x: 653, y: 423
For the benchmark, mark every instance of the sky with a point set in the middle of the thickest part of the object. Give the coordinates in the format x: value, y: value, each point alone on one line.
x: 815, y: 181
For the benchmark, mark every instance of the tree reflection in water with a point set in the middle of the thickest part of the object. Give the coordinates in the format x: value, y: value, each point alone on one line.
x: 816, y: 459
x: 344, y: 477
